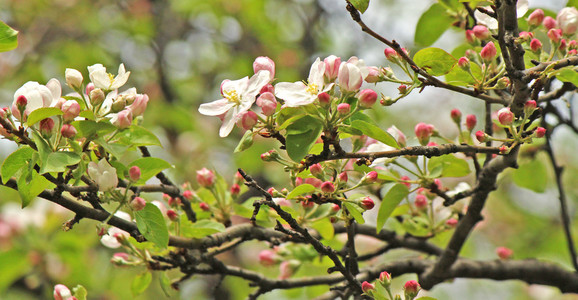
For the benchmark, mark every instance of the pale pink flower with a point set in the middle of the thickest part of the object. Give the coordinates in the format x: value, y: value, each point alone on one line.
x: 300, y: 93
x: 37, y: 96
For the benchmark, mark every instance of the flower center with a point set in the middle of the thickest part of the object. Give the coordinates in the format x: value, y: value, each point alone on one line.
x: 312, y: 89
x: 232, y: 96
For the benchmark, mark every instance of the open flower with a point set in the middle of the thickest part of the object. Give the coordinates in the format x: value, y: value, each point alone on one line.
x: 103, y: 174
x: 106, y: 81
x: 113, y: 235
x: 491, y: 23
x: 37, y: 96
x: 301, y: 93
x: 238, y: 95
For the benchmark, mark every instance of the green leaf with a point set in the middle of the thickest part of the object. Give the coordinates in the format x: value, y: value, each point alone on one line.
x: 91, y: 129
x: 58, y: 161
x: 151, y: 224
x: 42, y: 146
x: 149, y: 167
x: 115, y: 149
x: 165, y: 283
x: 532, y: 175
x: 300, y: 190
x: 355, y: 211
x: 140, y: 283
x: 360, y: 5
x: 138, y: 136
x: 324, y: 227
x: 375, y: 132
x: 457, y: 76
x: 246, y: 142
x: 31, y: 186
x: 388, y: 204
x: 202, y: 228
x: 42, y: 113
x: 435, y: 61
x: 568, y: 75
x: 301, y: 136
x: 14, y: 264
x: 432, y: 24
x: 15, y: 161
x: 450, y: 166
x: 8, y: 38
x: 79, y: 292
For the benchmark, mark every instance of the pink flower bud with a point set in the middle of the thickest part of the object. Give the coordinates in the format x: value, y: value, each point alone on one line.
x: 367, y: 98
x: 343, y: 108
x: 535, y: 45
x: 536, y: 17
x: 332, y: 64
x: 267, y: 257
x: 555, y: 35
x: 134, y: 173
x: 270, y: 155
x: 324, y: 99
x: 335, y: 207
x: 123, y: 119
x: 204, y: 206
x: 235, y: 189
x: 567, y: 20
x: 526, y: 36
x: 503, y: 150
x: 139, y: 105
x: 286, y: 270
x: 402, y: 89
x: 349, y: 77
x: 489, y: 52
x: 470, y: 37
x: 89, y: 88
x: 46, y: 126
x: 316, y: 169
x: 342, y: 177
x: 120, y: 259
x: 385, y: 279
x: 327, y: 187
x: 138, y: 203
x: 529, y: 107
x: 267, y: 88
x: 247, y: 120
x: 366, y: 287
x: 549, y: 23
x: 451, y: 223
x: 205, y: 178
x: 540, y: 132
x: 96, y: 96
x: 572, y: 52
x: 481, y: 136
x: 471, y: 122
x: 272, y: 191
x: 481, y: 32
x: 21, y: 103
x: 188, y: 195
x: 307, y: 204
x: 505, y: 116
x: 572, y: 45
x: 504, y: 253
x: 464, y: 63
x: 68, y: 131
x: 373, y: 75
x: 264, y: 63
x: 404, y: 179
x: 70, y: 110
x: 268, y: 103
x: 314, y: 182
x: 420, y: 202
x: 563, y: 45
x: 390, y: 54
x: 432, y: 144
x: 371, y: 177
x: 367, y: 203
x: 61, y: 292
x: 172, y: 215
x: 411, y: 289
x: 456, y: 115
x: 423, y: 132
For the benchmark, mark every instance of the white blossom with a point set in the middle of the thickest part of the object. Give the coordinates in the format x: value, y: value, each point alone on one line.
x: 103, y: 174
x: 106, y: 81
x: 300, y: 93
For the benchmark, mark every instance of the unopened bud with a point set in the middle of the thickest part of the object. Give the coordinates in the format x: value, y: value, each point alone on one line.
x: 385, y: 279
x: 529, y: 107
x: 423, y: 132
x: 324, y: 99
x: 390, y: 54
x: 327, y: 187
x: 367, y: 98
x: 526, y: 36
x: 535, y: 45
x: 46, y: 127
x: 420, y: 202
x: 73, y: 78
x: 504, y: 253
x: 271, y: 155
x: 540, y: 132
x: 268, y: 103
x: 367, y: 287
x: 134, y: 173
x: 555, y: 35
x: 451, y: 223
x: 471, y: 122
x: 235, y: 189
x: 505, y: 116
x: 536, y: 18
x: 489, y: 52
x: 316, y: 170
x: 481, y: 32
x: 343, y: 108
x: 204, y: 206
x: 342, y: 177
x: 456, y: 115
x: 370, y: 177
x: 549, y: 23
x: 267, y: 257
x: 138, y: 203
x: 470, y: 37
x: 123, y: 119
x: 402, y: 89
x: 367, y: 203
x: 68, y: 131
x: 172, y: 215
x: 96, y: 96
x: 70, y: 110
x: 481, y: 136
x: 411, y: 289
x: 464, y: 63
x: 248, y: 120
x: 332, y: 64
x: 118, y: 104
x: 187, y: 194
x: 205, y: 178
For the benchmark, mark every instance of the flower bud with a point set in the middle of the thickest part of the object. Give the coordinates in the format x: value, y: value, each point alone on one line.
x: 343, y: 109
x: 567, y: 20
x: 562, y: 46
x: 61, y: 292
x: 471, y: 122
x: 327, y: 187
x: 572, y: 52
x: 118, y: 104
x: 134, y: 173
x: 390, y: 54
x: 335, y: 207
x: 316, y: 170
x: 268, y: 103
x: 367, y: 203
x: 73, y: 78
x: 529, y: 107
x: 46, y: 127
x: 536, y: 18
x: 535, y: 45
x: 272, y: 191
x: 342, y: 177
x: 248, y: 120
x: 288, y: 268
x: 70, y: 110
x: 540, y: 132
x: 267, y: 88
x: 314, y: 182
x: 504, y: 253
x: 264, y: 63
x: 505, y: 116
x: 172, y: 215
x: 205, y: 178
x: 89, y: 88
x: 402, y: 89
x: 332, y: 64
x: 138, y: 203
x: 187, y: 194
x: 404, y: 180
x: 370, y: 177
x: 367, y: 98
x: 96, y: 96
x: 204, y: 206
x: 123, y: 119
x: 452, y: 223
x: 481, y: 32
x: 367, y: 287
x: 470, y: 37
x: 420, y: 202
x: 503, y: 150
x: 385, y: 279
x: 456, y: 115
x: 502, y: 83
x: 139, y: 104
x: 464, y: 63
x: 68, y: 131
x: 411, y: 289
x: 397, y: 135
x: 271, y: 155
x: 555, y: 35
x: 21, y: 103
x: 267, y: 257
x: 526, y: 36
x: 235, y: 189
x: 349, y: 77
x: 481, y: 136
x: 324, y: 99
x: 423, y: 132
x: 573, y: 45
x: 549, y: 23
x: 489, y: 52
x: 372, y: 75
x: 120, y: 259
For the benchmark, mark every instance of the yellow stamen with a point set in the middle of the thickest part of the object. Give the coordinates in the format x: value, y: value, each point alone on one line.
x: 312, y: 89
x: 232, y: 96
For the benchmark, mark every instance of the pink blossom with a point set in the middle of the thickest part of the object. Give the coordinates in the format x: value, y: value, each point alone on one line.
x: 567, y: 20
x: 332, y: 64
x: 268, y: 103
x: 549, y: 23
x: 505, y: 116
x: 205, y: 178
x: 536, y: 17
x: 264, y: 63
x: 423, y: 132
x: 489, y: 52
x: 367, y: 98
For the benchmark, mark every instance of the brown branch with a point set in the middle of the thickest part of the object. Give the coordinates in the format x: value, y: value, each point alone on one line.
x: 535, y: 72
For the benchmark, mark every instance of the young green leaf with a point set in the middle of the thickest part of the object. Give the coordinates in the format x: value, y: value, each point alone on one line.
x: 435, y: 61
x: 568, y: 75
x: 8, y: 38
x: 31, y: 185
x: 42, y: 113
x: 151, y: 224
x: 301, y: 136
x: 391, y: 200
x: 355, y: 211
x: 432, y: 24
x: 532, y: 175
x: 15, y: 161
x: 360, y: 5
x: 58, y: 161
x: 375, y: 132
x: 140, y: 283
x: 300, y: 190
x: 202, y: 228
x: 449, y: 165
x: 324, y: 227
x: 138, y: 136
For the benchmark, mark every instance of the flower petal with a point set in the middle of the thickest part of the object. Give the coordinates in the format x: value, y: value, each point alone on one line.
x: 295, y: 94
x: 215, y: 108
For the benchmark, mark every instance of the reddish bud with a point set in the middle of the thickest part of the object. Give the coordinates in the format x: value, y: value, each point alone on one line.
x: 471, y: 122
x: 324, y: 99
x: 89, y: 88
x: 46, y: 126
x: 335, y: 207
x: 204, y: 206
x: 267, y: 88
x: 411, y: 289
x: 70, y: 110
x: 272, y: 191
x: 536, y: 17
x: 188, y: 195
x: 572, y: 52
x: 327, y: 187
x: 343, y: 108
x: 526, y: 36
x: 572, y: 45
x: 420, y: 202
x: 316, y: 169
x: 385, y: 278
x: 267, y: 257
x: 264, y: 63
x: 314, y: 182
x: 404, y: 181
x: 138, y: 203
x: 402, y: 89
x: 367, y: 98
x: 481, y: 32
x: 535, y: 45
x: 503, y: 150
x: 367, y: 287
x: 134, y: 173
x: 372, y: 75
x: 456, y: 115
x: 61, y: 292
x: 235, y: 189
x: 529, y: 107
x: 21, y: 102
x: 123, y: 119
x: 505, y: 116
x: 68, y: 131
x: 342, y: 177
x: 423, y: 132
x: 481, y: 136
x: 563, y: 45
x: 390, y: 54
x: 370, y: 177
x: 205, y: 178
x: 555, y: 35
x: 464, y: 63
x: 268, y: 103
x: 367, y: 203
x: 540, y: 132
x: 549, y: 23
x: 470, y: 37
x: 248, y: 120
x: 504, y: 253
x: 332, y: 64
x: 489, y: 52
x: 451, y: 222
x: 172, y: 215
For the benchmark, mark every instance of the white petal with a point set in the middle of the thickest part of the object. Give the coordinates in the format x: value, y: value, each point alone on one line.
x: 119, y: 80
x: 316, y: 73
x: 294, y: 94
x: 215, y: 108
x: 522, y: 8
x: 99, y: 76
x: 254, y: 85
x: 54, y: 86
x: 484, y: 19
x: 228, y: 123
